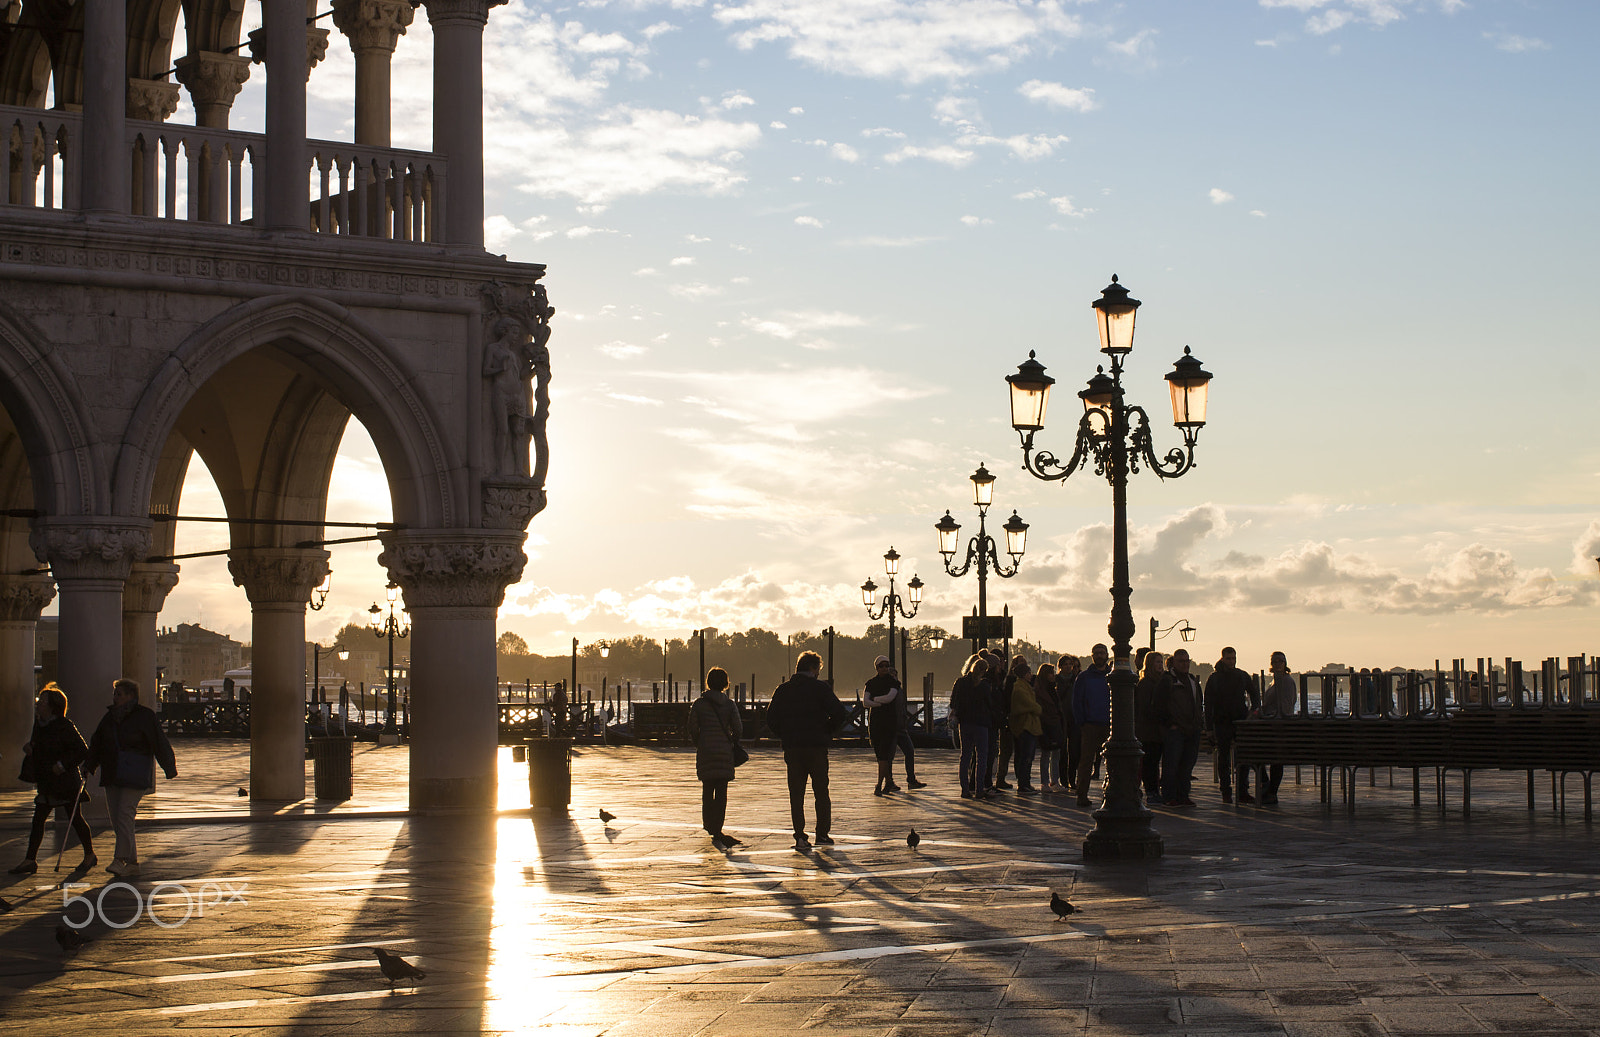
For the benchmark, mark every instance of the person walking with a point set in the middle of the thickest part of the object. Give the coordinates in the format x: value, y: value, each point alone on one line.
x: 1282, y: 699
x: 125, y: 749
x: 1091, y: 708
x: 1230, y: 696
x: 1025, y: 726
x: 804, y: 713
x: 1151, y: 689
x: 1051, y: 729
x: 51, y: 760
x: 969, y: 703
x: 715, y: 727
x: 883, y: 693
x: 1179, y: 717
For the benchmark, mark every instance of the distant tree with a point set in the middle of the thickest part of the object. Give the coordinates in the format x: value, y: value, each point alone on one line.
x: 511, y: 644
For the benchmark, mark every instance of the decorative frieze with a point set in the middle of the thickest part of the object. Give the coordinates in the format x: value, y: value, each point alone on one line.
x: 278, y: 575
x: 90, y: 549
x: 453, y: 569
x: 22, y: 598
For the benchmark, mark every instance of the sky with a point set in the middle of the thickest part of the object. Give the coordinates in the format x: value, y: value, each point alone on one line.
x: 794, y: 249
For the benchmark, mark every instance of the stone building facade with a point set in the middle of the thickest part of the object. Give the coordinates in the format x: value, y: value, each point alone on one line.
x: 189, y: 653
x: 168, y: 291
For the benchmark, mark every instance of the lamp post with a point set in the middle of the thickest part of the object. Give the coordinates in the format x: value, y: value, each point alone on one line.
x: 1185, y: 631
x: 829, y: 634
x: 892, y: 602
x: 316, y: 667
x: 319, y: 596
x: 701, y: 634
x: 391, y: 629
x: 982, y: 547
x: 1115, y: 435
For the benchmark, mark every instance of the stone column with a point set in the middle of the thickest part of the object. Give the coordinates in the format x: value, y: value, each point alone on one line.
x: 454, y: 582
x: 22, y: 598
x: 213, y: 81
x: 90, y: 558
x: 151, y: 99
x: 103, y: 152
x: 284, y: 39
x: 374, y: 28
x: 458, y: 111
x: 142, y: 597
x: 278, y: 582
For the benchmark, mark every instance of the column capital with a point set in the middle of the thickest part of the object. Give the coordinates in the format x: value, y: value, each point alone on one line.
x: 453, y: 568
x: 373, y: 24
x: 22, y: 598
x: 278, y: 575
x: 148, y: 585
x: 152, y: 100
x: 213, y: 81
x: 316, y: 47
x: 468, y: 11
x: 90, y: 548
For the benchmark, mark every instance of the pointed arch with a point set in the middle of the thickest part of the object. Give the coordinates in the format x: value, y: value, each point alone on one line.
x: 43, y: 402
x: 350, y: 360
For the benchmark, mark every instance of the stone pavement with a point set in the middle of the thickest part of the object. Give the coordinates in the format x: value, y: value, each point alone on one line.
x: 1301, y: 919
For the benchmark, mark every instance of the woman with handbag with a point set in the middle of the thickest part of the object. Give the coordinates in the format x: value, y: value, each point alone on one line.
x: 51, y: 761
x: 125, y: 749
x: 715, y: 728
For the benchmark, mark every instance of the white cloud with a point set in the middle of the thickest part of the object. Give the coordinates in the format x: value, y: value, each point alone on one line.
x: 1064, y: 206
x: 1516, y: 44
x: 944, y: 154
x: 776, y: 125
x: 621, y: 350
x: 878, y: 241
x: 646, y: 271
x: 736, y: 100
x: 1326, y: 16
x: 907, y: 40
x: 650, y: 401
x: 1258, y: 213
x: 694, y: 291
x: 790, y: 325
x: 1023, y: 146
x: 695, y: 239
x: 845, y: 153
x: 883, y: 131
x: 1029, y: 195
x: 1218, y: 196
x: 976, y: 221
x: 682, y: 261
x: 650, y: 32
x: 1136, y: 47
x: 1058, y: 96
x: 807, y: 221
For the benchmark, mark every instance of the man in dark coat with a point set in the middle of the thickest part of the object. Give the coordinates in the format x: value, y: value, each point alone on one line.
x: 125, y: 749
x: 1230, y: 696
x: 804, y: 713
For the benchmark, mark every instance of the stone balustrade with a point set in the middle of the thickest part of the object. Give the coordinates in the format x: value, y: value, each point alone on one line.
x: 208, y: 175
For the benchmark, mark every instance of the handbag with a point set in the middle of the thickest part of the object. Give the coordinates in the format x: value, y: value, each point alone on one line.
x: 740, y: 755
x: 134, y: 770
x: 29, y: 775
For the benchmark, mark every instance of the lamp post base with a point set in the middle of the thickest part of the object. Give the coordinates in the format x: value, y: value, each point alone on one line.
x: 388, y: 737
x: 1122, y: 824
x: 1122, y: 838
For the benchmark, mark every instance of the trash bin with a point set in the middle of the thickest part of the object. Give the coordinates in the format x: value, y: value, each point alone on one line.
x: 550, y: 773
x: 330, y: 763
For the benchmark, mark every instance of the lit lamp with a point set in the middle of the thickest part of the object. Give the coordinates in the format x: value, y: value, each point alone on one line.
x: 1115, y: 435
x: 1028, y: 398
x: 319, y: 596
x: 892, y: 602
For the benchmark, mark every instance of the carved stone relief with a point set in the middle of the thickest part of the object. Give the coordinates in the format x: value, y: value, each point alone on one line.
x: 453, y: 570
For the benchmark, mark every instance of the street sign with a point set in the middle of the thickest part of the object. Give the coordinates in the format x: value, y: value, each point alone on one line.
x: 990, y: 628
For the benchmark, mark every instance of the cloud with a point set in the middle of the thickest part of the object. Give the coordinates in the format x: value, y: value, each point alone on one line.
x: 976, y: 221
x: 1064, y: 206
x: 879, y: 241
x: 622, y: 350
x: 791, y: 324
x: 695, y: 291
x: 1516, y: 44
x: 1137, y: 47
x: 1058, y: 96
x: 944, y: 154
x: 807, y: 221
x: 1023, y: 146
x: 736, y: 100
x: 1029, y: 195
x: 1258, y: 213
x: 682, y: 261
x: 649, y: 401
x: 776, y: 125
x: 1218, y: 196
x: 1326, y: 16
x: 909, y: 41
x: 845, y: 153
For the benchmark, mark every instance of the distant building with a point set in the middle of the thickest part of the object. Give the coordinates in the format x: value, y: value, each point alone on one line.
x: 190, y: 653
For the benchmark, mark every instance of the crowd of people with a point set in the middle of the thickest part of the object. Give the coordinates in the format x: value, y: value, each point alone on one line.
x: 1006, y: 718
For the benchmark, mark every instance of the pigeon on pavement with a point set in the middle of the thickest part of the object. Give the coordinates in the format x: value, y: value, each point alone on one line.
x: 396, y: 968
x: 242, y: 792
x: 606, y: 816
x: 1061, y: 907
x: 913, y: 839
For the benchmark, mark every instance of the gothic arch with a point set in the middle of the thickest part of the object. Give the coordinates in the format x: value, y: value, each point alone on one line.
x: 347, y: 358
x: 44, y: 405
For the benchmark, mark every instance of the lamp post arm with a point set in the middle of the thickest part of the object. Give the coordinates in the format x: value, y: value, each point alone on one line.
x: 1000, y: 570
x: 1174, y: 464
x: 1043, y: 464
x: 972, y: 553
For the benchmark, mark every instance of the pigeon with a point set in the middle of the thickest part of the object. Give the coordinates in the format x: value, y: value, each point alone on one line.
x: 242, y: 792
x: 606, y: 816
x: 913, y: 839
x: 397, y: 968
x: 1061, y: 907
x: 69, y: 939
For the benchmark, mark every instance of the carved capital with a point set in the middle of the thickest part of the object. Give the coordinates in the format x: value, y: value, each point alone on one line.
x: 373, y: 25
x: 453, y: 568
x: 213, y: 81
x: 468, y: 12
x: 152, y: 100
x: 278, y: 575
x: 316, y: 48
x: 148, y: 585
x: 22, y: 598
x: 90, y: 549
x: 511, y: 503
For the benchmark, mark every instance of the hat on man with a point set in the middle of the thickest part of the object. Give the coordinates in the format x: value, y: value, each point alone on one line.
x: 882, y: 660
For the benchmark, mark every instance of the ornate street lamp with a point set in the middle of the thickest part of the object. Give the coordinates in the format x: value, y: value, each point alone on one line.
x: 391, y: 629
x: 982, y: 548
x: 319, y: 596
x: 892, y: 602
x: 316, y: 667
x: 1185, y: 631
x: 1116, y: 436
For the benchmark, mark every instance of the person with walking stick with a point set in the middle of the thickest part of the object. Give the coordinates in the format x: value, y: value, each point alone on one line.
x: 52, y: 760
x: 125, y: 749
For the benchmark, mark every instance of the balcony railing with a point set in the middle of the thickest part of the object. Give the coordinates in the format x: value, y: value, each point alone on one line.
x: 202, y: 175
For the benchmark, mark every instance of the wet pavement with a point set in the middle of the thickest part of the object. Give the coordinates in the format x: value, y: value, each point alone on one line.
x: 1301, y: 919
